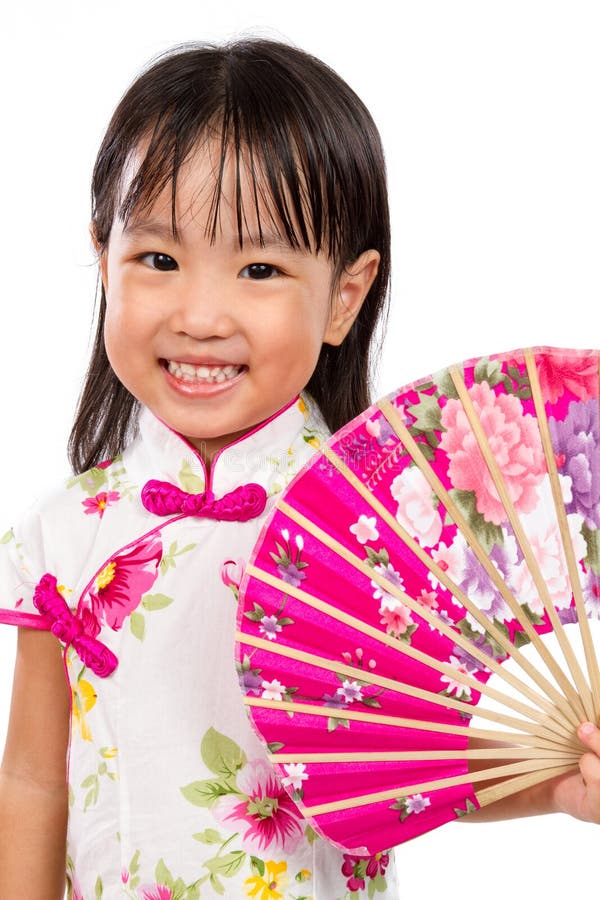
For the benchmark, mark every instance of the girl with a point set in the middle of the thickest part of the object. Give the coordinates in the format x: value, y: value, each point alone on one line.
x: 240, y: 218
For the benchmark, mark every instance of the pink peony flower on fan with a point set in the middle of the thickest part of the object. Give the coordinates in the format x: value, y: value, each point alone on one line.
x: 560, y: 372
x: 515, y: 443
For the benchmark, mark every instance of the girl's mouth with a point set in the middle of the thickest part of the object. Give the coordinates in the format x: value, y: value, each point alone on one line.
x: 205, y: 374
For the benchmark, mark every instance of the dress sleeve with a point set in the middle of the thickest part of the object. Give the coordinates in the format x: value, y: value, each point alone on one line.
x: 21, y: 567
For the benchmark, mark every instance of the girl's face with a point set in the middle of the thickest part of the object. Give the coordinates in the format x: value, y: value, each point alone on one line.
x: 214, y: 339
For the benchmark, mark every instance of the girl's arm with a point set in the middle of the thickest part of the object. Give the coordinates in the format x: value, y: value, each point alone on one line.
x: 33, y: 779
x: 577, y: 794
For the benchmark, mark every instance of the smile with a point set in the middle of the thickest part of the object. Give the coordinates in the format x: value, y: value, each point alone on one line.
x: 202, y: 374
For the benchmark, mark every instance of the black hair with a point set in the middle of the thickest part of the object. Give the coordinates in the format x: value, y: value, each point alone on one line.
x: 313, y: 155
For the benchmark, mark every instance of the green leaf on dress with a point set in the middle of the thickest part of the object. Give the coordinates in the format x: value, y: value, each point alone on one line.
x: 156, y: 601
x: 220, y: 754
x: 8, y: 537
x: 162, y: 874
x: 98, y: 888
x: 208, y: 836
x: 228, y: 864
x: 189, y: 480
x: 137, y: 624
x: 204, y: 793
x: 257, y: 866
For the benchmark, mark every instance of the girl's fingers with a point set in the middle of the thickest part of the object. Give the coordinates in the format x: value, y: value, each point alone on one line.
x: 590, y: 736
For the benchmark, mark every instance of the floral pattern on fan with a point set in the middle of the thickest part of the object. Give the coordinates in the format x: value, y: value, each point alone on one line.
x: 440, y: 532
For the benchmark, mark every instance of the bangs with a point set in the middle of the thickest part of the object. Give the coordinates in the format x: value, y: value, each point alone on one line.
x: 282, y: 183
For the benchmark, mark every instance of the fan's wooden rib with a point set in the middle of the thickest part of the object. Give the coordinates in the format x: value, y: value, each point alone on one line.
x: 567, y: 718
x: 514, y: 785
x: 411, y: 445
x: 561, y: 513
x: 439, y: 624
x: 383, y: 638
x: 423, y: 755
x: 581, y: 697
x: 417, y: 724
x: 397, y: 686
x: 434, y: 785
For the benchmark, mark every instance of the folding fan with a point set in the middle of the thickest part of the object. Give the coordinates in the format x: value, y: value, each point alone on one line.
x: 451, y: 527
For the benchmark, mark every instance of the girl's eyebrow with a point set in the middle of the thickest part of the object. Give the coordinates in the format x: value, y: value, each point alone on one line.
x: 156, y: 228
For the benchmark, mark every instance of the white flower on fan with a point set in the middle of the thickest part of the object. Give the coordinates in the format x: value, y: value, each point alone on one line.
x: 451, y: 560
x: 350, y: 691
x: 296, y: 774
x: 365, y: 529
x: 416, y: 511
x: 461, y: 691
x: 546, y: 544
x: 417, y: 803
x: 273, y: 690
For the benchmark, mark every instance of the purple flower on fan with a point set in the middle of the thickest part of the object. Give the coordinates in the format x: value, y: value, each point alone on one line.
x: 568, y: 616
x: 471, y: 662
x: 478, y: 586
x: 251, y: 681
x: 291, y: 574
x: 334, y: 701
x: 576, y: 442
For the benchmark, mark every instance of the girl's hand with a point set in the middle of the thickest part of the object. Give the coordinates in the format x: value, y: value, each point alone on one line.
x: 579, y: 794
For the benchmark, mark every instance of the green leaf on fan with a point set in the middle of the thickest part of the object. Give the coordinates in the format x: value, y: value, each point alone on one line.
x: 487, y: 533
x: 445, y: 385
x: 470, y: 807
x: 427, y: 413
x: 533, y: 617
x: 333, y: 723
x: 488, y: 370
x: 592, y: 542
x: 520, y: 639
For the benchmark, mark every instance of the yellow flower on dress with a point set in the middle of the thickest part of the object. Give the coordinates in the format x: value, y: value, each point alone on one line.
x: 84, y: 698
x: 302, y: 406
x: 314, y: 442
x: 270, y: 883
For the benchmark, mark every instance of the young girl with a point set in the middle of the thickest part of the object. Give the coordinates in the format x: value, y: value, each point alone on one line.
x: 241, y: 223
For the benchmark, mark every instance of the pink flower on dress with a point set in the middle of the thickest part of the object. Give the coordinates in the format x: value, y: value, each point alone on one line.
x: 99, y: 503
x: 119, y: 587
x: 231, y: 574
x: 154, y: 892
x: 265, y: 815
x: 515, y: 443
x: 560, y: 372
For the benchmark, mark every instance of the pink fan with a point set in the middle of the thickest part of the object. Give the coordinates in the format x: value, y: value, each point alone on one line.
x: 450, y: 529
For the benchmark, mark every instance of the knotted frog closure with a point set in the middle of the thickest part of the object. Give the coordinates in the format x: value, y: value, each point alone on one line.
x: 243, y: 503
x: 79, y: 632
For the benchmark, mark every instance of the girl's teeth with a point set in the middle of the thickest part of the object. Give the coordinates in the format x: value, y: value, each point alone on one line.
x: 208, y: 374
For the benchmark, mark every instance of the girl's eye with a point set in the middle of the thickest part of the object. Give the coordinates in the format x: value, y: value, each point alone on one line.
x: 260, y: 271
x: 160, y: 261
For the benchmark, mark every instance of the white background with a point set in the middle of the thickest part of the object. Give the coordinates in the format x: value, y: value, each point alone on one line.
x: 489, y: 116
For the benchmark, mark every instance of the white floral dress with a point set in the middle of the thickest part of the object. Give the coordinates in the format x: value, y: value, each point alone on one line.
x: 171, y: 796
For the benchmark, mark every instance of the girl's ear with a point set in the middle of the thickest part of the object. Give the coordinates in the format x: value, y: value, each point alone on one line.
x: 101, y: 256
x: 351, y: 290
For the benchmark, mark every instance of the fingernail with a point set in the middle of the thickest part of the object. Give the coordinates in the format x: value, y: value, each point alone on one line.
x: 586, y: 729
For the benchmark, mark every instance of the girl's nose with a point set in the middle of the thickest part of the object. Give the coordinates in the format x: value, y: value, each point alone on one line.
x: 204, y: 309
